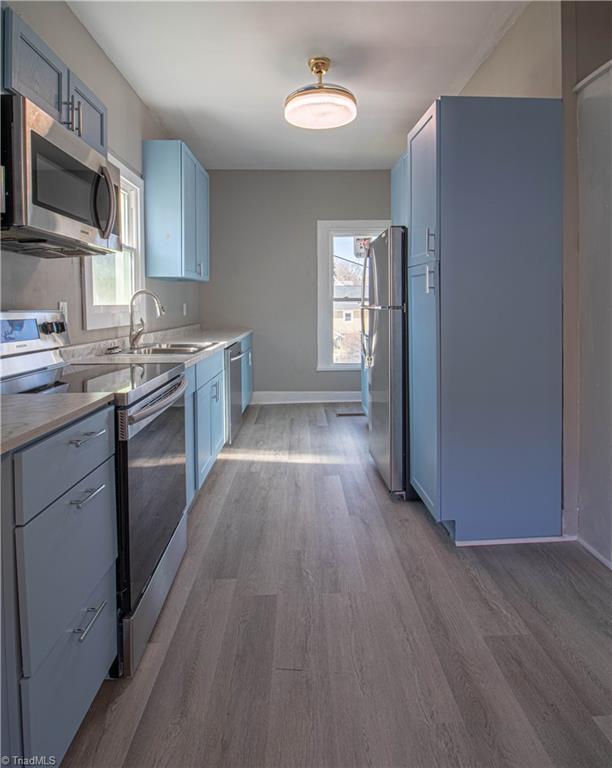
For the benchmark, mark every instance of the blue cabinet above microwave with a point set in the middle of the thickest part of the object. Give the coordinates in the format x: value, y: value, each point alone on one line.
x: 34, y: 70
x: 176, y: 211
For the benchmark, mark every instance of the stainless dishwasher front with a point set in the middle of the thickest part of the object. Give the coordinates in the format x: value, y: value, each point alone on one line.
x: 233, y: 394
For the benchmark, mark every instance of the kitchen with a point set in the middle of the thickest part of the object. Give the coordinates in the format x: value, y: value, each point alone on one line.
x: 207, y: 555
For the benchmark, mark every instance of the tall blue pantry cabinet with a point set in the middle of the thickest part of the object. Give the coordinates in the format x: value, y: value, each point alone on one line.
x: 484, y: 212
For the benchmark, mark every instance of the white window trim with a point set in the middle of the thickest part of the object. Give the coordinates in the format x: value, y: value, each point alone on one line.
x: 325, y: 231
x: 115, y: 316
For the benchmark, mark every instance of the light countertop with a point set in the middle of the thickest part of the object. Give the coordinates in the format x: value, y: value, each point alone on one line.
x: 27, y: 417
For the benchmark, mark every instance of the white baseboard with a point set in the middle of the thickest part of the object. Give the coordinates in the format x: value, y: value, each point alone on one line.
x: 597, y: 555
x: 535, y: 540
x: 277, y: 398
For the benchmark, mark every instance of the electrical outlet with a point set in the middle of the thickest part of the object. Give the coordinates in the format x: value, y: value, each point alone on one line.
x: 185, y: 309
x: 63, y: 307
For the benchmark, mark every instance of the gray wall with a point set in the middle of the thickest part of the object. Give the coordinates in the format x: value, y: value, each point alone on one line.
x: 29, y: 282
x: 264, y: 264
x: 527, y: 60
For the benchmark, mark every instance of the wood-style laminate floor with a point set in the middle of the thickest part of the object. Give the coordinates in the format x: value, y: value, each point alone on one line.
x: 316, y: 622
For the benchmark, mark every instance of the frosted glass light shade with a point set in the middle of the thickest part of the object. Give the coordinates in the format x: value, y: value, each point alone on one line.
x: 320, y: 106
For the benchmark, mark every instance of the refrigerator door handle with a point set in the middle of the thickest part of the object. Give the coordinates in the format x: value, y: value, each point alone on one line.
x: 367, y: 356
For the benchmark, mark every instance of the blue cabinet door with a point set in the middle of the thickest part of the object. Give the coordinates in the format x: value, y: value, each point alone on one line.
x: 204, y: 431
x: 399, y: 192
x: 422, y: 189
x: 176, y: 211
x: 190, y: 256
x: 88, y: 114
x: 191, y: 459
x: 364, y: 386
x: 217, y: 418
x: 32, y: 69
x: 202, y: 224
x: 423, y: 336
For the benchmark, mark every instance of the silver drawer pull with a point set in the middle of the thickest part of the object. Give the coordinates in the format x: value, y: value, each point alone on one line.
x: 78, y: 442
x: 91, y: 494
x: 96, y: 615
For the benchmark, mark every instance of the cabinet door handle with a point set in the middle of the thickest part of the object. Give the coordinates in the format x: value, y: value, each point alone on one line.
x: 216, y: 395
x: 199, y: 268
x: 91, y: 494
x: 70, y: 122
x: 429, y: 235
x: 84, y: 631
x: 430, y: 286
x: 78, y: 442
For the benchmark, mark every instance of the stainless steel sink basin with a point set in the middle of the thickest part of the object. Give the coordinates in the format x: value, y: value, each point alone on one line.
x: 171, y: 349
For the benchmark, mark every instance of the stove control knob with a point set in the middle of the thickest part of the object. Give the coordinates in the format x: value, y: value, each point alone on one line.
x: 60, y: 327
x: 47, y: 328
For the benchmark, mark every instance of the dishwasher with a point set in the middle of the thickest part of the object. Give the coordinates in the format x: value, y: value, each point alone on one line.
x: 233, y: 390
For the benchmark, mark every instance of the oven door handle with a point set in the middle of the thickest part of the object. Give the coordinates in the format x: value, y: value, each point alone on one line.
x: 160, y: 405
x: 112, y: 199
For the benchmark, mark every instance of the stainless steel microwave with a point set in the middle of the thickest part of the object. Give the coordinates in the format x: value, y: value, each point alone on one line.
x: 60, y: 197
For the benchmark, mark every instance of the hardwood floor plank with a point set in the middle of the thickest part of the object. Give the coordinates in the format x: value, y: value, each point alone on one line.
x: 177, y: 704
x: 574, y: 645
x: 233, y: 731
x: 563, y: 725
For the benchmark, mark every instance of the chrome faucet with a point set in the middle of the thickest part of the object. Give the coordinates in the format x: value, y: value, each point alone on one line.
x: 137, y: 331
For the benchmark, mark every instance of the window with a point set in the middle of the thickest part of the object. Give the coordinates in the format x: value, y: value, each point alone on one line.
x: 110, y: 279
x: 342, y: 246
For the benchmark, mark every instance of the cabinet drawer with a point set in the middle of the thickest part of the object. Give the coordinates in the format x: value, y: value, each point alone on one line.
x: 208, y: 368
x: 55, y: 700
x: 61, y: 556
x: 45, y: 470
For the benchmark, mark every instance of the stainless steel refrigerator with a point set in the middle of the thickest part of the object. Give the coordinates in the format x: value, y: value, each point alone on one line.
x: 385, y: 353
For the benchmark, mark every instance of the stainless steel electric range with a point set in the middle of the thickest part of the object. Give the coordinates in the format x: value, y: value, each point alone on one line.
x: 150, y: 459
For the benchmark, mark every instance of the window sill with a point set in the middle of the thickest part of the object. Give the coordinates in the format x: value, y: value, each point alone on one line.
x: 336, y: 367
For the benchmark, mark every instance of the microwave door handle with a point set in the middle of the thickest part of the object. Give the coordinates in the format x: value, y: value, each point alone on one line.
x: 106, y: 233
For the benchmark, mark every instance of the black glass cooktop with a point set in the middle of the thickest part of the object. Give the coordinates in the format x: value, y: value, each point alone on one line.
x: 128, y: 382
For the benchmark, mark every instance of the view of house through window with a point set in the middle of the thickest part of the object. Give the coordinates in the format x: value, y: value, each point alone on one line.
x: 348, y: 254
x: 341, y: 252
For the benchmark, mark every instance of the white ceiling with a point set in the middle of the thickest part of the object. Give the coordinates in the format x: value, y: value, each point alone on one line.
x: 216, y: 73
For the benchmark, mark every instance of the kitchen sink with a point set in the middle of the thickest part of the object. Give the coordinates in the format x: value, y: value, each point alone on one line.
x: 172, y: 349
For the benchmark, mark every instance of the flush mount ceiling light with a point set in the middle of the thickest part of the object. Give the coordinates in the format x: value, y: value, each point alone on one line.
x: 320, y: 105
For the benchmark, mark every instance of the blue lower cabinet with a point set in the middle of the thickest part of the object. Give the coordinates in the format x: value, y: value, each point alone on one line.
x: 56, y: 698
x: 210, y: 424
x: 204, y: 432
x: 364, y: 387
x: 217, y: 411
x: 423, y: 383
x: 191, y: 459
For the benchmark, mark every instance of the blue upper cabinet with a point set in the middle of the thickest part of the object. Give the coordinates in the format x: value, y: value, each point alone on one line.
x: 422, y: 191
x: 33, y: 70
x: 176, y: 212
x: 399, y: 192
x: 87, y: 113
